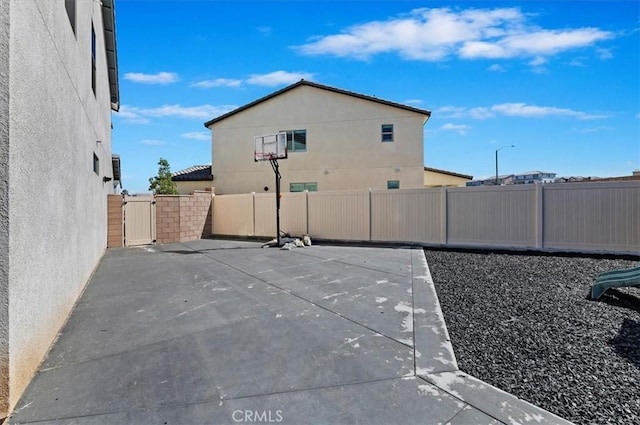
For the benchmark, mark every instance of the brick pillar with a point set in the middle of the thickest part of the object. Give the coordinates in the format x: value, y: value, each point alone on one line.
x: 114, y: 221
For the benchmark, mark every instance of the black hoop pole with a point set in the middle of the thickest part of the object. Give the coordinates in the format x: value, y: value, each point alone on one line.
x: 276, y: 170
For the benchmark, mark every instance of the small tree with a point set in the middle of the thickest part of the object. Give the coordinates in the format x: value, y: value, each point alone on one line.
x: 162, y: 183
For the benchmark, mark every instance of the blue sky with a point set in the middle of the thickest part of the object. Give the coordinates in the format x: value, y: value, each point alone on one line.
x: 559, y: 80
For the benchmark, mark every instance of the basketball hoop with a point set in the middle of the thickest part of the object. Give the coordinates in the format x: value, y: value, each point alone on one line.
x: 271, y: 147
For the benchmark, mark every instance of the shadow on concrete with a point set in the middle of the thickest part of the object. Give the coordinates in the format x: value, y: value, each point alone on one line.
x: 202, y: 251
x: 626, y: 343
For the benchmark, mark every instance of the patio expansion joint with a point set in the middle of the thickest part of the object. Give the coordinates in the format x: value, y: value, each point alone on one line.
x: 335, y: 260
x: 413, y: 316
x: 293, y: 294
x: 457, y: 397
x: 220, y: 401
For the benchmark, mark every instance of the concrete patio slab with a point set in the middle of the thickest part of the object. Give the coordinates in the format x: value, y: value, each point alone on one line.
x: 215, y: 331
x: 500, y: 405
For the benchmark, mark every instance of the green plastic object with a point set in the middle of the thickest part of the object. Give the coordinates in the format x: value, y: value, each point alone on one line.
x: 615, y: 279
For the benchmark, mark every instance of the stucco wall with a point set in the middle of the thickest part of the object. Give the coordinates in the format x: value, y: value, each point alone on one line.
x: 57, y: 219
x: 344, y: 148
x: 186, y: 187
x: 434, y: 179
x: 4, y: 206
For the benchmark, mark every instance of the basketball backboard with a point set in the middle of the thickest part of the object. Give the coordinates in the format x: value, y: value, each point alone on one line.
x: 270, y: 146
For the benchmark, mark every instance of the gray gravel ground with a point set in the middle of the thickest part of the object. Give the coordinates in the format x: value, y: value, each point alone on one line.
x: 523, y: 324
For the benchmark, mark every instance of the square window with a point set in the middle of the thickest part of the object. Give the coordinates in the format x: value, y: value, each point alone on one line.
x: 393, y: 184
x: 301, y: 187
x: 387, y: 132
x: 296, y: 140
x: 96, y: 164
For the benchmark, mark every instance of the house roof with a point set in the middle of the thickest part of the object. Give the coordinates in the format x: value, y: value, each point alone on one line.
x: 492, y: 178
x: 319, y: 86
x: 109, y: 24
x: 195, y: 173
x: 449, y: 173
x: 526, y: 173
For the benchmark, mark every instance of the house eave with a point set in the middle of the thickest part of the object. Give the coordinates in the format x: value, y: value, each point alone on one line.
x: 109, y: 24
x: 423, y: 112
x: 449, y: 173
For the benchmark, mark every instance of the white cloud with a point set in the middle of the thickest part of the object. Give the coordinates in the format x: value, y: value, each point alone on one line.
x: 438, y: 34
x: 524, y: 110
x: 496, y: 68
x: 159, y: 78
x: 191, y: 112
x: 137, y: 115
x: 218, y: 82
x: 130, y: 115
x: 152, y: 142
x: 197, y: 135
x: 513, y: 110
x: 534, y: 43
x: 277, y: 78
x: 270, y: 79
x: 480, y: 113
x: 604, y: 54
x: 461, y: 129
x: 577, y: 62
x: 451, y: 112
x: 265, y: 30
x: 589, y: 130
x: 413, y: 102
x: 537, y: 61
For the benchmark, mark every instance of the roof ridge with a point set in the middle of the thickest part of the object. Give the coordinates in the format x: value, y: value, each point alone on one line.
x: 304, y: 82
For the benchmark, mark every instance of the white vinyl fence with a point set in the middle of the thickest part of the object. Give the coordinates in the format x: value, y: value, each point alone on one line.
x: 594, y: 217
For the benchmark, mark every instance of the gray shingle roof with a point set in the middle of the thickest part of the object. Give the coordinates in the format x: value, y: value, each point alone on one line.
x: 195, y: 173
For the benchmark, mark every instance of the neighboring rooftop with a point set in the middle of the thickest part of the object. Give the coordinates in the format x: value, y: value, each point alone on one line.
x: 195, y: 173
x: 323, y: 87
x: 449, y: 173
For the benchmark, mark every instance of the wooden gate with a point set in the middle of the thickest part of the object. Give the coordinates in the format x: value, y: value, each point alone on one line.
x: 139, y: 220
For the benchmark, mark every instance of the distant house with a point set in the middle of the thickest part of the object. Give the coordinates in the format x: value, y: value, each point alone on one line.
x: 434, y: 177
x: 337, y: 140
x: 534, y: 177
x: 503, y: 180
x: 635, y: 175
x: 58, y: 87
x: 198, y: 177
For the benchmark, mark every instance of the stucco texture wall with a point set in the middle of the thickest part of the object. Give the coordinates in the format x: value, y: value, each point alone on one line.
x: 57, y: 215
x: 4, y: 206
x: 344, y: 148
x: 186, y: 187
x: 434, y: 179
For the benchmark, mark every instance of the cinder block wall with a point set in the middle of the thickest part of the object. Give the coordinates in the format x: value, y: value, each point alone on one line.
x: 181, y: 218
x: 195, y: 216
x: 114, y: 221
x: 167, y: 218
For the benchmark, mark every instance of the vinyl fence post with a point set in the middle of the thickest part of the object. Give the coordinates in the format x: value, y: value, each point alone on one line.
x: 370, y: 217
x: 539, y: 216
x: 443, y: 215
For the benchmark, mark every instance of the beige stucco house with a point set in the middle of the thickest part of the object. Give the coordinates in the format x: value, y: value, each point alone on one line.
x: 58, y: 86
x: 434, y: 177
x: 337, y: 140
